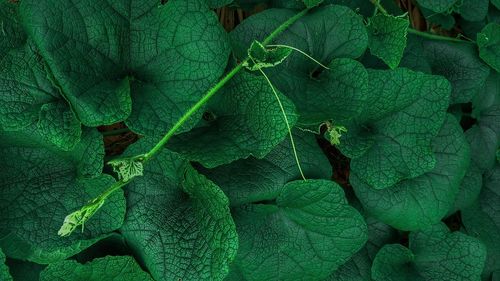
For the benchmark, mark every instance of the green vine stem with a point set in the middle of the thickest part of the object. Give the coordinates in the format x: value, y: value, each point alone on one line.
x: 79, y: 217
x: 424, y: 34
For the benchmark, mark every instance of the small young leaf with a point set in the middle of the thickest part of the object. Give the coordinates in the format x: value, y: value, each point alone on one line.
x: 262, y: 57
x: 388, y: 37
x: 128, y: 168
x: 489, y: 45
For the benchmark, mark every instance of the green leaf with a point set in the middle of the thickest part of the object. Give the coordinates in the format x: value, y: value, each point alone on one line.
x: 388, y: 37
x: 178, y: 222
x: 496, y: 3
x: 444, y: 20
x: 474, y: 10
x: 416, y: 203
x: 312, y: 3
x: 247, y: 120
x: 469, y: 188
x: 12, y: 34
x: 340, y: 36
x: 358, y: 268
x: 404, y: 111
x: 59, y: 125
x: 4, y: 270
x: 482, y: 219
x: 458, y: 63
x: 252, y: 180
x: 123, y: 268
x: 40, y: 185
x: 489, y: 45
x: 434, y: 254
x: 218, y: 3
x: 307, y: 233
x: 438, y: 6
x: 28, y: 96
x: 160, y: 58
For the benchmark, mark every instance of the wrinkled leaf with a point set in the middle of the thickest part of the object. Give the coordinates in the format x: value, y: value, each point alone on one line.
x: 178, y: 222
x: 252, y: 180
x: 339, y: 33
x: 308, y: 232
x: 434, y: 254
x: 247, y: 122
x: 388, y: 37
x: 416, y: 203
x: 40, y: 185
x: 391, y: 140
x: 160, y: 58
x: 457, y: 62
x: 109, y: 268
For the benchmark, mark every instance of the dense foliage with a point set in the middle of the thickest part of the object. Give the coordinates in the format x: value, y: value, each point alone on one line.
x: 256, y: 119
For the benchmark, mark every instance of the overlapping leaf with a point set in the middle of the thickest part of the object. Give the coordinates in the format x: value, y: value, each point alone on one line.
x: 482, y: 219
x: 391, y: 139
x: 27, y: 93
x: 247, y: 120
x: 416, y: 203
x: 178, y: 222
x: 340, y: 35
x: 457, y: 62
x: 40, y: 185
x: 252, y: 180
x: 433, y: 254
x: 121, y: 268
x: 158, y: 55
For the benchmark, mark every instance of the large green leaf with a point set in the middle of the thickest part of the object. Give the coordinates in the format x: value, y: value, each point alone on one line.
x: 252, y: 180
x: 388, y: 37
x: 473, y: 10
x: 391, y: 139
x: 318, y: 94
x: 27, y: 93
x: 482, y: 219
x: 416, y: 203
x: 247, y: 120
x: 178, y: 222
x: 4, y: 270
x: 121, y: 268
x: 305, y: 234
x: 434, y: 254
x: 457, y: 62
x: 103, y: 52
x: 40, y: 185
x: 489, y: 45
